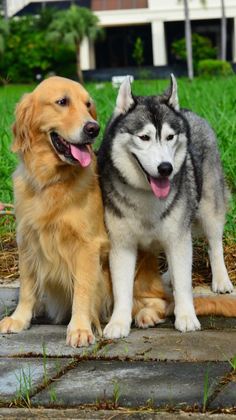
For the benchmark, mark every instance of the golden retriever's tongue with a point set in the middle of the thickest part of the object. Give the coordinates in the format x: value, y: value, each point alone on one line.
x: 82, y: 154
x: 160, y: 186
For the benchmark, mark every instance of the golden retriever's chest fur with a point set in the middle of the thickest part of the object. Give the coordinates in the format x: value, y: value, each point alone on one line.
x: 55, y: 224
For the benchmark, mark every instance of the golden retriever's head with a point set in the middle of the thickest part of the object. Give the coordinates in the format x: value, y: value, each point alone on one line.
x: 57, y: 117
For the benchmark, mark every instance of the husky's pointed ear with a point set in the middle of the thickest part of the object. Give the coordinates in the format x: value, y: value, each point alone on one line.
x: 22, y: 128
x: 172, y: 93
x: 124, y: 99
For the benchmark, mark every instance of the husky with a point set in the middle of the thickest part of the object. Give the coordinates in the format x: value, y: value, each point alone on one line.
x: 160, y: 173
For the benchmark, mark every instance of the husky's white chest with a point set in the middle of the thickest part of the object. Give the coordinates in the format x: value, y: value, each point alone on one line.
x: 140, y: 222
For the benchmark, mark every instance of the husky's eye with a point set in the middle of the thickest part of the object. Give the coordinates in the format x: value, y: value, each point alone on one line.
x: 145, y: 137
x: 63, y: 101
x: 170, y: 137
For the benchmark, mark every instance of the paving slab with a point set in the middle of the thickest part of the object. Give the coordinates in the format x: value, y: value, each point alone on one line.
x: 18, y: 375
x: 134, y: 384
x: 75, y: 413
x: 150, y: 344
x: 227, y: 397
x: 165, y: 344
x: 8, y: 300
x: 39, y: 339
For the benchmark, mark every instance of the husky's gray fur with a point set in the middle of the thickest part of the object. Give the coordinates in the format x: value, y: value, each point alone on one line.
x: 160, y: 171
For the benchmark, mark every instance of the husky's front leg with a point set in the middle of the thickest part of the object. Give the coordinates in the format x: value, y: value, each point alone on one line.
x: 122, y: 266
x: 179, y: 255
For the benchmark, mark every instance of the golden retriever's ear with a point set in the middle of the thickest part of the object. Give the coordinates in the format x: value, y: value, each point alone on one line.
x: 22, y: 128
x: 93, y: 111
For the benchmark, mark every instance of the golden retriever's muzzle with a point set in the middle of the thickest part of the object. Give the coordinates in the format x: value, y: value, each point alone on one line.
x: 79, y: 152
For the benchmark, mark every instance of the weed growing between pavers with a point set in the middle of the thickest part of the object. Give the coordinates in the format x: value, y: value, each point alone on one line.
x: 24, y: 379
x: 105, y: 403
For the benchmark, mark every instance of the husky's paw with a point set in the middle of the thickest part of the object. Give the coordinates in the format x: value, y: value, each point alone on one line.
x: 10, y: 325
x: 222, y: 285
x: 147, y: 317
x: 116, y: 329
x: 187, y: 322
x: 79, y: 338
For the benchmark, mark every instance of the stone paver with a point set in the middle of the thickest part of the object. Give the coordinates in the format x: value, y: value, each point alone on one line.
x: 78, y: 414
x: 165, y: 344
x: 227, y: 397
x: 18, y: 375
x: 34, y: 339
x: 134, y: 384
x: 8, y: 299
x: 157, y: 367
x: 151, y: 344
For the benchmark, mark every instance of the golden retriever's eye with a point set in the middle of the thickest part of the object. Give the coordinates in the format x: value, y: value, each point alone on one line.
x: 145, y: 137
x: 63, y: 101
x: 170, y: 137
x: 88, y: 104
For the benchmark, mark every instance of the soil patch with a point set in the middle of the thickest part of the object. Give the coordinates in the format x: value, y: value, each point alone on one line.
x: 9, y: 269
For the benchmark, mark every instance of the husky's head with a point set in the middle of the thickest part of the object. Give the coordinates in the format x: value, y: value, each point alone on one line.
x: 150, y: 138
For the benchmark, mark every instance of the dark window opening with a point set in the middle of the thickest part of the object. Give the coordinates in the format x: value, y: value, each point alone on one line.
x: 116, y: 50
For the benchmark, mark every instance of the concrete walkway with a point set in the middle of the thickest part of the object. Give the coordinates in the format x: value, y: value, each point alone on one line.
x: 158, y: 370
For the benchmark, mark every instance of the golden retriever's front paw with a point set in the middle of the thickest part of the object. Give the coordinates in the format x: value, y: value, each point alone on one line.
x: 79, y: 338
x: 147, y: 317
x: 10, y: 325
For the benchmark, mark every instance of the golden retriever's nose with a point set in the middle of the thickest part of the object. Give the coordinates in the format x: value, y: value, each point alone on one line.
x: 91, y: 129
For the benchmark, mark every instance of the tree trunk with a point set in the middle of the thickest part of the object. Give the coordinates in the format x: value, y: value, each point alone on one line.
x: 5, y: 12
x: 188, y: 39
x: 79, y: 71
x: 223, y: 32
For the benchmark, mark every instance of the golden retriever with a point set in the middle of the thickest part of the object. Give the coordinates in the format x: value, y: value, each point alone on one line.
x: 61, y: 236
x: 62, y: 241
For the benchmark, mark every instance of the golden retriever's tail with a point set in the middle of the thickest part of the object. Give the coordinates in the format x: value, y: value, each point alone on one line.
x: 215, y: 305
x: 211, y: 305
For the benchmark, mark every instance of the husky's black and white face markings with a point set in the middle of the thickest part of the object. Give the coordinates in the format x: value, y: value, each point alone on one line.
x: 152, y: 136
x: 159, y: 170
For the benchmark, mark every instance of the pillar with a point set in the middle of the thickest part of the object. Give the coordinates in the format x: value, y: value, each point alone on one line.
x: 234, y: 42
x: 158, y: 43
x: 87, y: 55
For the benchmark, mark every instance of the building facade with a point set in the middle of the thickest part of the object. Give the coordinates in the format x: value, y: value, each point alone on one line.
x: 157, y: 22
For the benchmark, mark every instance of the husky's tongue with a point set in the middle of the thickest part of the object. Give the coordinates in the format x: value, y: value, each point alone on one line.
x: 160, y: 186
x: 82, y: 154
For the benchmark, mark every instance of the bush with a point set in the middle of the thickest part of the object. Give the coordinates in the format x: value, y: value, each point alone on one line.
x: 201, y: 46
x: 138, y: 52
x: 28, y: 52
x: 214, y: 68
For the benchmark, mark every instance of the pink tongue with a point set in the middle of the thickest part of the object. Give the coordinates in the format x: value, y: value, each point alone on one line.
x: 160, y: 186
x: 81, y: 154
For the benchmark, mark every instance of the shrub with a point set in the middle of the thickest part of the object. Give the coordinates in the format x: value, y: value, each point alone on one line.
x: 28, y: 52
x: 201, y: 46
x: 214, y: 68
x: 138, y: 52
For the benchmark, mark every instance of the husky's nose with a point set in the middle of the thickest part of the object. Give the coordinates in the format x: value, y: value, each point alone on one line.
x: 91, y: 129
x: 165, y: 168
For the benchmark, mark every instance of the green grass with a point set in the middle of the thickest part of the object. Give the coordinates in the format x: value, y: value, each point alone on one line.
x: 213, y: 99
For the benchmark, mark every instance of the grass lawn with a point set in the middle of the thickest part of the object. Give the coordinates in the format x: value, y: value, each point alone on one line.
x: 213, y: 99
